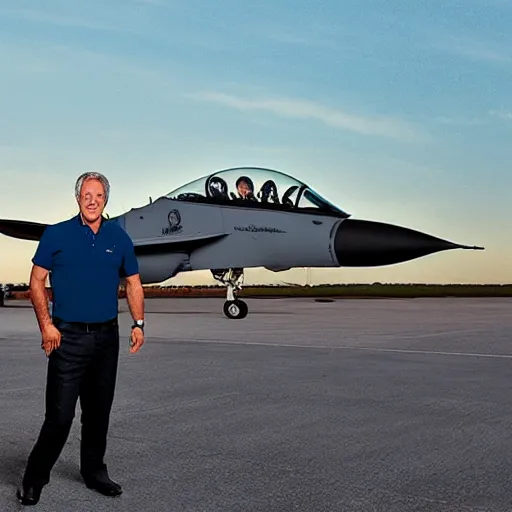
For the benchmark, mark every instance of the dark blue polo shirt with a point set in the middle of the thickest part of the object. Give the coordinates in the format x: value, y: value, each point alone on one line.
x: 86, y: 268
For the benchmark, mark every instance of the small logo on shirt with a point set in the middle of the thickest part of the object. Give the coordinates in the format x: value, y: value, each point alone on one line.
x: 110, y: 250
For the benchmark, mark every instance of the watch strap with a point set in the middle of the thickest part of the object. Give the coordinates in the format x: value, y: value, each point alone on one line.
x: 139, y: 324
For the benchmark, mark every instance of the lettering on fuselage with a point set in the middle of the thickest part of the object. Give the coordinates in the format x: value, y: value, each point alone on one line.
x: 259, y: 229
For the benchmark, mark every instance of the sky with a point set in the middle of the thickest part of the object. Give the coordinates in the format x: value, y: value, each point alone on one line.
x: 396, y: 111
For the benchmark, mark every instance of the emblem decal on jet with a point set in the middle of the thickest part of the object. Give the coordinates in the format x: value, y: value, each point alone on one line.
x: 175, y: 226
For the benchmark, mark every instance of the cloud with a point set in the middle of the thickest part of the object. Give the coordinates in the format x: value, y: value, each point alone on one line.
x: 502, y: 114
x: 156, y: 3
x: 288, y: 38
x: 303, y: 109
x: 477, y: 50
x: 494, y: 4
x: 480, y: 52
x: 60, y: 20
x: 451, y: 121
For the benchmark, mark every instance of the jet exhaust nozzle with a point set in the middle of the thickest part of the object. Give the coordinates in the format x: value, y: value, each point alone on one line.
x: 363, y: 243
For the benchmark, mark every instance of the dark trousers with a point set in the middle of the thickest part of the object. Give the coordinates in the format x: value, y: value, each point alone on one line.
x: 85, y: 367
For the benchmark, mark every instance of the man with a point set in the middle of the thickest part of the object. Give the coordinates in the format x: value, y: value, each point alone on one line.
x: 86, y: 255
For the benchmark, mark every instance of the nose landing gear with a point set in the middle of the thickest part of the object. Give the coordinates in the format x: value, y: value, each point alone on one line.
x: 232, y: 278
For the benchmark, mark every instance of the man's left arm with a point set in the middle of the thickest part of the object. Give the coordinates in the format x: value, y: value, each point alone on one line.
x: 134, y: 295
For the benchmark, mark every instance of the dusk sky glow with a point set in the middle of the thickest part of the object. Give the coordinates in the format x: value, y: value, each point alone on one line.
x: 395, y: 111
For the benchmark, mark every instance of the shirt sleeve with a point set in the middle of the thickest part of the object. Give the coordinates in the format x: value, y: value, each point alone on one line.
x: 46, y: 249
x: 130, y: 265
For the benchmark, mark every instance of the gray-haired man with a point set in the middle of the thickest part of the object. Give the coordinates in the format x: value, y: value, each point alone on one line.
x: 86, y: 256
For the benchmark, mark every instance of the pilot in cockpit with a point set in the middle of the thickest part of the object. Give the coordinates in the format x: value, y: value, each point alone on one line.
x: 245, y: 188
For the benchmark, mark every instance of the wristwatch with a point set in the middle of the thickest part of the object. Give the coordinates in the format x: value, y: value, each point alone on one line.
x: 139, y: 324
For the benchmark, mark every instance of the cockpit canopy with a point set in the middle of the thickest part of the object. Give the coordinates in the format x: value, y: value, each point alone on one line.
x: 257, y: 188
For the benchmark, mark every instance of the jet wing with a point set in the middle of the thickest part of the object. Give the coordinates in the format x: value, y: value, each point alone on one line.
x: 22, y: 229
x: 26, y: 230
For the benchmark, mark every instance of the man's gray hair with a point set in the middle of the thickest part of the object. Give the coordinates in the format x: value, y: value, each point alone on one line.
x: 91, y: 175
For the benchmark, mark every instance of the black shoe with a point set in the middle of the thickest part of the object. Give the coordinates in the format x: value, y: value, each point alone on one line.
x: 30, y: 494
x: 103, y: 484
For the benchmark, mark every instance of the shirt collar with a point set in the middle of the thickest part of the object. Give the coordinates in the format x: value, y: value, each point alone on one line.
x: 83, y: 224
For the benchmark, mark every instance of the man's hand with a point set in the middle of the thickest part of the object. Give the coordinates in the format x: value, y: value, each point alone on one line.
x: 51, y: 339
x: 137, y: 339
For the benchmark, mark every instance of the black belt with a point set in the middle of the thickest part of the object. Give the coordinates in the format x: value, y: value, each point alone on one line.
x: 84, y: 326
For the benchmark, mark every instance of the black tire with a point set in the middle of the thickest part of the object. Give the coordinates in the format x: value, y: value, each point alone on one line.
x: 235, y: 309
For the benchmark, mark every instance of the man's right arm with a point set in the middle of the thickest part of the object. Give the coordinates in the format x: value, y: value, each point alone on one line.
x: 43, y: 263
x: 39, y: 296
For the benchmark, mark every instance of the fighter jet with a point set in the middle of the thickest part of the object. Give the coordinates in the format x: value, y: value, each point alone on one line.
x: 246, y: 217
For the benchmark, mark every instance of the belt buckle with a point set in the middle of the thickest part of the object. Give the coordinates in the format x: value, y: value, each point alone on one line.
x: 89, y: 327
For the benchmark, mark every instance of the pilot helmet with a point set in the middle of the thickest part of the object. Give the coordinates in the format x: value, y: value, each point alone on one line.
x: 217, y: 187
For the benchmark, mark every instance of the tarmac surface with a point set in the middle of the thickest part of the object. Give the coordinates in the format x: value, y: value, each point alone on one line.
x: 351, y: 405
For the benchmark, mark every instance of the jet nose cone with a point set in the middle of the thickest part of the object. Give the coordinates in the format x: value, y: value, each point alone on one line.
x: 362, y: 243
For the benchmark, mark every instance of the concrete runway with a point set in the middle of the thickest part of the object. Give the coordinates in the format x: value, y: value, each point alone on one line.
x: 355, y: 405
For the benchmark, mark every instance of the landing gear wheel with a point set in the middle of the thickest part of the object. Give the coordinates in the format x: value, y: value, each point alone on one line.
x: 232, y: 278
x: 235, y: 309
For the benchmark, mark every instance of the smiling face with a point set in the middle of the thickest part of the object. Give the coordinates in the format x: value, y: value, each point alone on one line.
x: 244, y: 189
x: 92, y: 200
